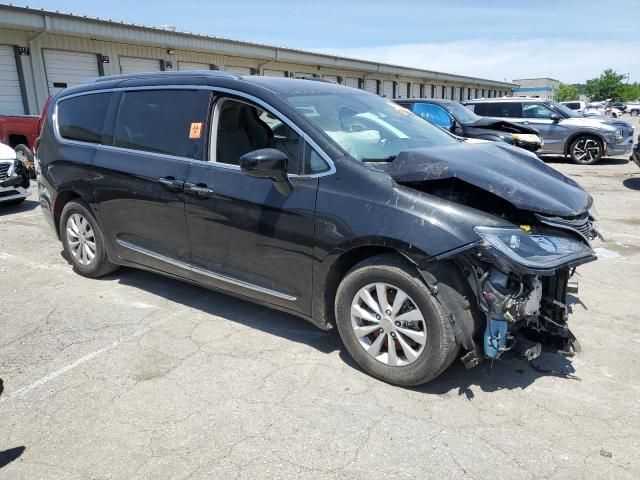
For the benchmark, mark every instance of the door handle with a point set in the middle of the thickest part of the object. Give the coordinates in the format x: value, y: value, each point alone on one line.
x: 199, y: 189
x: 171, y: 183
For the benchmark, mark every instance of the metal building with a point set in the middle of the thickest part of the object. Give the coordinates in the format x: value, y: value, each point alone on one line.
x: 537, y: 87
x: 42, y: 52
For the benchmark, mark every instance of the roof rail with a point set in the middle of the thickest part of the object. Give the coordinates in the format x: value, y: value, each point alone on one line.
x: 181, y: 73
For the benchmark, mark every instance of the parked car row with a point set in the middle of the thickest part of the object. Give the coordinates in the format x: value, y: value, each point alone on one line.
x: 327, y: 202
x: 14, y: 178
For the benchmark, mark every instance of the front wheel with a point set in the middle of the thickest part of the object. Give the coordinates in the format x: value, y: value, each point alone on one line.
x: 390, y: 323
x: 586, y: 150
x: 25, y: 155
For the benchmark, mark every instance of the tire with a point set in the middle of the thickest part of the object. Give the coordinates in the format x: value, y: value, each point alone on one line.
x: 586, y: 150
x: 635, y: 113
x: 439, y: 346
x: 76, y: 217
x: 25, y: 155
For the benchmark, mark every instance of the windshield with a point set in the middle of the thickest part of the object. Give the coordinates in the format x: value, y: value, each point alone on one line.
x: 564, y: 109
x: 366, y: 126
x: 462, y: 113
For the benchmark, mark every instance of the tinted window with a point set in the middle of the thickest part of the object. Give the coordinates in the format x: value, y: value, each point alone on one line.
x: 536, y: 110
x: 434, y: 114
x: 573, y: 106
x: 501, y: 109
x: 162, y: 121
x: 314, y: 163
x: 82, y: 118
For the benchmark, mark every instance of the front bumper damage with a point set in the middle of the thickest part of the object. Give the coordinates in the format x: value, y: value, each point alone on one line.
x: 521, y: 309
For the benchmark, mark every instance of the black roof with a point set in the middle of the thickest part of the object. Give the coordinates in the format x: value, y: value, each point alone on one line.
x: 276, y: 85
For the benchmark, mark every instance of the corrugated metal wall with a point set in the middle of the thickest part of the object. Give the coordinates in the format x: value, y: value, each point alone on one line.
x: 113, y: 53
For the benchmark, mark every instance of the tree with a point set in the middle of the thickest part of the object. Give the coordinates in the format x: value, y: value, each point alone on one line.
x: 567, y: 92
x: 606, y: 86
x: 627, y: 91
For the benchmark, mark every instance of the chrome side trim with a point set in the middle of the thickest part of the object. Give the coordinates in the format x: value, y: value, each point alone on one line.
x: 261, y: 103
x: 202, y: 271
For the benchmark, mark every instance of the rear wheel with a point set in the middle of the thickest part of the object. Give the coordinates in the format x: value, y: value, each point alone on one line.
x: 83, y: 241
x: 390, y: 323
x: 586, y: 150
x: 635, y: 113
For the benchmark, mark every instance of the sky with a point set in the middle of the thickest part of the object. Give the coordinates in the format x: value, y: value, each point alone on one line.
x: 570, y: 40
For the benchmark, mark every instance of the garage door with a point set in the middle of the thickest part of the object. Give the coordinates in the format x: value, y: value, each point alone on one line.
x: 387, y: 88
x: 401, y: 91
x: 139, y: 65
x: 10, y: 93
x: 65, y: 69
x: 371, y: 85
x: 274, y: 73
x: 333, y: 78
x: 193, y: 66
x: 352, y: 82
x: 238, y: 70
x: 415, y: 90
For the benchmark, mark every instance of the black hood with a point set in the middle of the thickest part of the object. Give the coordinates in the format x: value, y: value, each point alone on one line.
x: 508, y: 172
x: 501, y: 125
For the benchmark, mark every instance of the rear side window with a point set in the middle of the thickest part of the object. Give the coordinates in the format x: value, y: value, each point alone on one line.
x: 82, y: 118
x: 171, y: 122
x: 500, y: 109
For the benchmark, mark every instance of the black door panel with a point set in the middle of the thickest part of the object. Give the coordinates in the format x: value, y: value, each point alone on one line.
x: 140, y: 210
x: 247, y: 237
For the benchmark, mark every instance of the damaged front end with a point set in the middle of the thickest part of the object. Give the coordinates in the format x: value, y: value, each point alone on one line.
x: 519, y: 268
x: 521, y: 278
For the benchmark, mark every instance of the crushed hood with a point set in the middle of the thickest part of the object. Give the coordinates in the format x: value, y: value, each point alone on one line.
x: 512, y: 174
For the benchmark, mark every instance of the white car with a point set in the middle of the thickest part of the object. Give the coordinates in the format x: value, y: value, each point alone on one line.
x: 575, y: 105
x: 14, y: 177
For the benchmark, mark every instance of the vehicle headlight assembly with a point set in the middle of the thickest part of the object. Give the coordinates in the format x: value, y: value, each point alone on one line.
x: 619, y: 134
x: 534, y: 250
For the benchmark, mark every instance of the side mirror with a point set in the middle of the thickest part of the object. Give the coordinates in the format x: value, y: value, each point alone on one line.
x: 270, y: 164
x: 555, y: 117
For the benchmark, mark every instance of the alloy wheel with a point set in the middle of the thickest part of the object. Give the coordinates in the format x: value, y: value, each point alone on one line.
x: 586, y: 150
x: 81, y: 239
x: 388, y: 324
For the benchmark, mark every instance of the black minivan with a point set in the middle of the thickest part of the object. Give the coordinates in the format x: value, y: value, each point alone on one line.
x: 323, y: 201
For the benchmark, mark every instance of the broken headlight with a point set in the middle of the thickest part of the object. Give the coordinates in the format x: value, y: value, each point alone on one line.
x: 534, y: 250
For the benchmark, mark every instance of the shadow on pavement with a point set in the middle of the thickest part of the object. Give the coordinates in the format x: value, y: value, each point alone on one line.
x: 10, y: 455
x: 632, y: 183
x: 26, y: 206
x: 510, y: 373
x: 237, y: 310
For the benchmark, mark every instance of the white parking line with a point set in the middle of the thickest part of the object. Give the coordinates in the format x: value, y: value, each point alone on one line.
x: 81, y: 360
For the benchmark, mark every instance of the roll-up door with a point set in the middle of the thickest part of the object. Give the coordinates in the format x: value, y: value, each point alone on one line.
x: 66, y: 69
x: 11, y: 102
x: 267, y: 72
x: 352, y: 82
x: 387, y: 88
x: 193, y: 66
x: 333, y: 78
x: 415, y: 90
x: 371, y: 85
x: 138, y: 65
x: 238, y: 70
x: 304, y: 75
x: 401, y: 91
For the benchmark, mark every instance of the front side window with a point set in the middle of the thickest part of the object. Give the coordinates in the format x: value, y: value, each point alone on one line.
x: 170, y: 122
x: 82, y: 118
x: 242, y: 127
x: 434, y: 114
x: 536, y: 110
x: 367, y: 127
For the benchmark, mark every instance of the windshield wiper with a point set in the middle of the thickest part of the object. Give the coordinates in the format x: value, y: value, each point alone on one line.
x: 390, y: 158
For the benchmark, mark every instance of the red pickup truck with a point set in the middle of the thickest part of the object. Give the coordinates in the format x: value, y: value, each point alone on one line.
x: 21, y: 133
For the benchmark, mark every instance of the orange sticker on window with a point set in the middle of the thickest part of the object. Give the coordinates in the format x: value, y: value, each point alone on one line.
x: 196, y: 130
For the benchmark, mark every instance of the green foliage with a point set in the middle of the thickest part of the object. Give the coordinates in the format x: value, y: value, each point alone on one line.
x: 567, y: 92
x: 609, y: 85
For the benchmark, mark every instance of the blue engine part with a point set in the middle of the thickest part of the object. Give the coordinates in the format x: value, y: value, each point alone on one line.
x: 495, y: 336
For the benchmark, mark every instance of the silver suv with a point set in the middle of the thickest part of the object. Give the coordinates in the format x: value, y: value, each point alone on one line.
x: 565, y: 132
